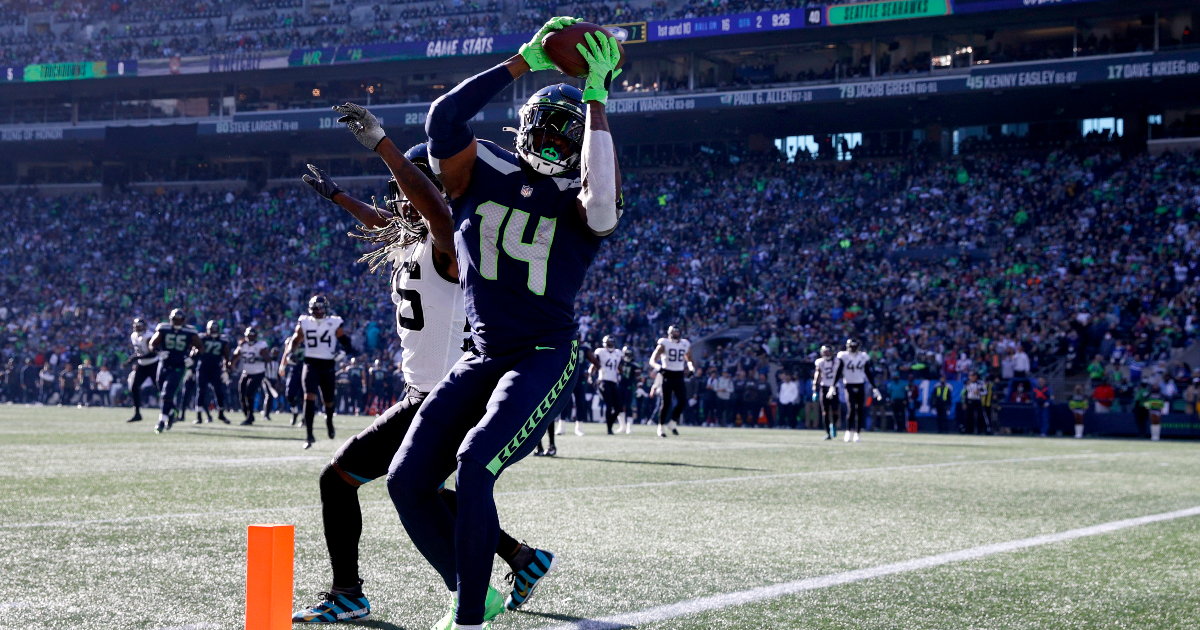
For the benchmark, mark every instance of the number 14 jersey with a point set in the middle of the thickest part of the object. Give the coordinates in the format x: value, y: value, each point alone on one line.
x: 523, y: 251
x: 430, y: 316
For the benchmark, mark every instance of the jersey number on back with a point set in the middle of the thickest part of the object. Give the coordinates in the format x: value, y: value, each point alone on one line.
x: 536, y: 254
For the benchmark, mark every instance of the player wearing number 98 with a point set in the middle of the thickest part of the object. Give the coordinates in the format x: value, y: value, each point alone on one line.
x: 527, y: 226
x: 318, y: 333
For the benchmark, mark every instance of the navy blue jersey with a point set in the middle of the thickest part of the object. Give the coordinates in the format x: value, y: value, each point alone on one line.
x: 176, y: 343
x: 212, y: 358
x: 523, y: 251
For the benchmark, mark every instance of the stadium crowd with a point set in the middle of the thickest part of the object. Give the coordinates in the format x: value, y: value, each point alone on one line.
x: 1001, y: 265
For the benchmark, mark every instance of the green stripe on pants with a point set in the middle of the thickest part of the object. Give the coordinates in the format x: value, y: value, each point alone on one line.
x: 538, y: 414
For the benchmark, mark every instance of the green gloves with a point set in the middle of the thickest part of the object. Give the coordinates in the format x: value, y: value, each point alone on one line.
x: 533, y: 53
x: 602, y: 55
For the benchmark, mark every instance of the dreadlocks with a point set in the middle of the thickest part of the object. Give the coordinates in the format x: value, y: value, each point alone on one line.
x: 396, y: 234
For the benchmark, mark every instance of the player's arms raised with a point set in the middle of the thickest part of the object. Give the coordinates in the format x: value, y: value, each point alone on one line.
x: 368, y: 215
x: 452, y: 146
x: 600, y: 200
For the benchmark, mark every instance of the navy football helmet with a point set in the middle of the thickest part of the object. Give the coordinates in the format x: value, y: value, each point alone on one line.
x: 550, y: 137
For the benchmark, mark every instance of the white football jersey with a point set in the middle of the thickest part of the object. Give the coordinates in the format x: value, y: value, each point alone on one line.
x: 827, y: 368
x: 319, y: 336
x: 431, y: 316
x: 141, y: 346
x: 674, y: 356
x: 250, y: 355
x: 854, y: 366
x: 610, y: 364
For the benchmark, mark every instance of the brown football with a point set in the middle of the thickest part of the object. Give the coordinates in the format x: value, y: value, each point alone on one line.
x: 560, y: 48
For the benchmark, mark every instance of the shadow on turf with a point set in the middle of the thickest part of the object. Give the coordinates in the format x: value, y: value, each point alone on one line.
x: 238, y: 433
x: 681, y: 464
x: 554, y: 616
x: 375, y: 623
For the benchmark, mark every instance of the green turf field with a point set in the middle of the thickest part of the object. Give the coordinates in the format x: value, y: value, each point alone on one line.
x: 107, y: 525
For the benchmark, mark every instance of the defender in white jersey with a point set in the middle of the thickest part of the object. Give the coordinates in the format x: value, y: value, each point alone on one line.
x: 824, y: 382
x: 853, y: 369
x: 147, y: 365
x: 320, y: 334
x: 253, y: 354
x: 608, y: 367
x: 432, y: 323
x: 675, y: 353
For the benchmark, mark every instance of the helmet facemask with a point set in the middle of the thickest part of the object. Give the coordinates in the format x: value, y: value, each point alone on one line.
x: 550, y: 138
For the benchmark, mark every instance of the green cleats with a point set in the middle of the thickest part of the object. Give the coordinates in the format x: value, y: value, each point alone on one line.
x: 492, y: 607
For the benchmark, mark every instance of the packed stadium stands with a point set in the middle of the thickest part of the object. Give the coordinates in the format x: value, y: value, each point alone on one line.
x: 936, y: 264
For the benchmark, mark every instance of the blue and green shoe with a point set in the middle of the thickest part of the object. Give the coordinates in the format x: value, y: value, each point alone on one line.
x: 335, y: 607
x: 525, y: 579
x: 492, y: 607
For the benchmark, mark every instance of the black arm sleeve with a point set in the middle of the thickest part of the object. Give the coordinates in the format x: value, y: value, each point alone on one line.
x: 344, y: 342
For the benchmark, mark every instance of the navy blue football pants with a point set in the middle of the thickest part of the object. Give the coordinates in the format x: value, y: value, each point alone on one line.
x: 207, y: 380
x: 169, y: 379
x: 486, y: 415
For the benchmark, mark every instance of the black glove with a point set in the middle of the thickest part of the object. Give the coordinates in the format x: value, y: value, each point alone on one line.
x: 320, y: 182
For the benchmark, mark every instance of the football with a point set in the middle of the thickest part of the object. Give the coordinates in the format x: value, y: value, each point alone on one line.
x: 560, y: 48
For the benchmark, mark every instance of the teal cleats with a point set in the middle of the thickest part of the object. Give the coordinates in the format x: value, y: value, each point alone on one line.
x: 525, y: 579
x: 335, y: 607
x: 492, y: 607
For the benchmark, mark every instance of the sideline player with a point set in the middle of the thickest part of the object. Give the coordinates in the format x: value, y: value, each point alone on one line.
x: 853, y: 369
x: 147, y: 365
x: 431, y: 321
x: 608, y: 364
x: 175, y: 340
x: 317, y: 332
x: 211, y: 362
x: 508, y: 210
x: 676, y: 363
x: 254, y: 356
x: 824, y: 382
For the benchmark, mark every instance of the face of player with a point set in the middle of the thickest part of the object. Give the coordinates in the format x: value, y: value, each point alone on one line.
x: 543, y: 141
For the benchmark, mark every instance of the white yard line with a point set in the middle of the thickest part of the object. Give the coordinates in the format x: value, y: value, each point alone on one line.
x: 739, y: 598
x: 630, y: 486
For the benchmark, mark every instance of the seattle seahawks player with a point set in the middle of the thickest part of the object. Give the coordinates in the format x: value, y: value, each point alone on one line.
x: 825, y: 382
x: 317, y: 333
x: 853, y: 369
x: 431, y: 322
x: 630, y: 371
x: 676, y: 363
x: 528, y: 226
x: 609, y: 360
x: 254, y: 356
x: 211, y: 362
x: 175, y: 341
x: 147, y: 365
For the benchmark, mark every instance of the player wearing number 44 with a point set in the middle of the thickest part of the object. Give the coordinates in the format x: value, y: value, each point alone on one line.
x: 526, y: 226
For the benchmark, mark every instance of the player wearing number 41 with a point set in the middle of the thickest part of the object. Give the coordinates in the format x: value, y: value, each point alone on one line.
x: 318, y: 333
x: 854, y: 370
x: 673, y: 359
x: 431, y: 322
x: 174, y: 340
x: 527, y: 226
